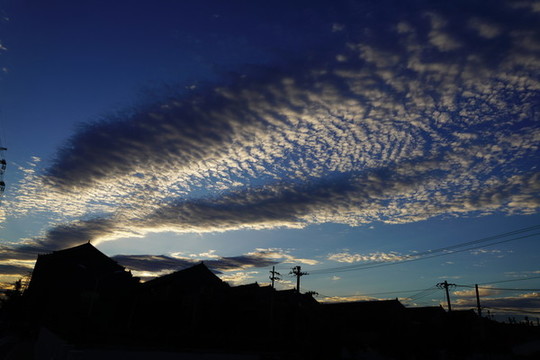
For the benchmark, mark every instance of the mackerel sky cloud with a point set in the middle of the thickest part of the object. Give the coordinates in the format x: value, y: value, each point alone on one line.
x: 391, y: 113
x: 432, y: 118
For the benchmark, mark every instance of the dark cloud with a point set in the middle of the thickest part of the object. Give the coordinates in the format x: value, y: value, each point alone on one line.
x: 75, y: 233
x: 183, y: 132
x: 160, y: 263
x: 153, y: 263
x: 240, y: 262
x: 531, y: 301
x: 14, y: 270
x: 59, y: 237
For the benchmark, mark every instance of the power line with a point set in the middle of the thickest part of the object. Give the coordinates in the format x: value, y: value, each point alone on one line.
x: 513, y: 310
x: 383, y: 293
x: 395, y: 292
x: 380, y: 264
x: 502, y: 281
x: 421, y: 292
x: 495, y: 288
x: 427, y: 254
x: 448, y: 250
x: 434, y: 253
x: 512, y: 280
x: 506, y: 289
x: 424, y: 293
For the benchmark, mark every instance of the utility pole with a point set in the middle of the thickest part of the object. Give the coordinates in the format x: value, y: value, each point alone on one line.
x: 478, y: 300
x: 446, y: 285
x: 297, y: 271
x: 274, y: 275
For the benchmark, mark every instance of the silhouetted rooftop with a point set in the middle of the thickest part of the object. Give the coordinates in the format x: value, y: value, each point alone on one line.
x: 375, y: 305
x: 85, y: 252
x: 197, y: 275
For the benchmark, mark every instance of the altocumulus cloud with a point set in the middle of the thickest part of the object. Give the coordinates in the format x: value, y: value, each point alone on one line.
x: 427, y: 112
x: 347, y: 257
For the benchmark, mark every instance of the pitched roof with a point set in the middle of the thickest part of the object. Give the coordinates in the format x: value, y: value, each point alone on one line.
x: 76, y: 268
x: 196, y: 275
x: 86, y: 254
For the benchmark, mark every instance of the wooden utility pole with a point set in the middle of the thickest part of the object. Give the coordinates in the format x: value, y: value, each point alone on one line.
x: 297, y: 271
x: 478, y: 301
x: 446, y: 285
x: 274, y: 275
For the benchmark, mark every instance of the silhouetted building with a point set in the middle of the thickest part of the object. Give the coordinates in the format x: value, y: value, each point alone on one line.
x: 362, y: 325
x: 78, y: 290
x: 79, y: 298
x: 180, y: 309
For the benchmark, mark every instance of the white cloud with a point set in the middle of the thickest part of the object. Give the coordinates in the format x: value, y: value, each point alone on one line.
x: 210, y: 254
x: 239, y: 277
x: 471, y: 293
x: 486, y: 251
x: 337, y: 27
x: 282, y: 255
x: 145, y: 275
x: 29, y: 264
x: 443, y: 41
x: 346, y: 257
x: 438, y: 37
x: 521, y: 274
x: 532, y: 5
x: 485, y: 29
x: 332, y: 299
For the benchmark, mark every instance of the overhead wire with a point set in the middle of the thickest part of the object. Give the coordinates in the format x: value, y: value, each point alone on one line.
x: 448, y: 250
x: 496, y: 288
x: 384, y: 293
x: 412, y: 259
x: 427, y: 292
x: 424, y: 293
x: 499, y: 282
x: 433, y: 253
x: 511, y: 280
x: 511, y: 310
x: 428, y: 253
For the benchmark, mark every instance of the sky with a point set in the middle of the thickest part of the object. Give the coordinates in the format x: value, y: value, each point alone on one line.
x: 384, y: 146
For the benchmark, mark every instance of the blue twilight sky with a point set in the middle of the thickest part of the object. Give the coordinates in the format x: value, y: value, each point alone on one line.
x: 342, y: 136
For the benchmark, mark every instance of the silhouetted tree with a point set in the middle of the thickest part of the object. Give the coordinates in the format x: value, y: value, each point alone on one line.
x: 11, y: 302
x: 13, y: 295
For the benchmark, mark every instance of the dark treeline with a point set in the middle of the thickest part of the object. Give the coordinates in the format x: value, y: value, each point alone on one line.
x: 80, y: 304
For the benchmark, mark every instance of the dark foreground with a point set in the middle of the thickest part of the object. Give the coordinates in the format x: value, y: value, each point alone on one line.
x: 82, y: 305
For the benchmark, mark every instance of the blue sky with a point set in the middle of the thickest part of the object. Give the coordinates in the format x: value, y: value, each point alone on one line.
x: 253, y: 134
